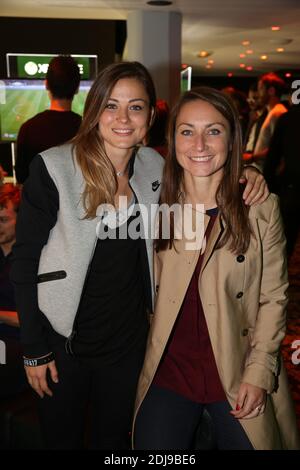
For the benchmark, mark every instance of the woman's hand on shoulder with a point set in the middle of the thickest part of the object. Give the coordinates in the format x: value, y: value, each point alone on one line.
x: 37, y: 378
x: 256, y: 190
x: 251, y: 402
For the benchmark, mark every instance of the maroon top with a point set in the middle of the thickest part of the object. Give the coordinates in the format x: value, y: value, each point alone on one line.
x: 188, y: 365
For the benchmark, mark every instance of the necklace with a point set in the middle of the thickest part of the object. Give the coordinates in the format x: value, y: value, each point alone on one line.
x: 120, y: 173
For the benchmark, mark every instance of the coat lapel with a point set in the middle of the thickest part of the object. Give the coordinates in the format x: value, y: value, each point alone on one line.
x: 214, y: 237
x: 175, y: 270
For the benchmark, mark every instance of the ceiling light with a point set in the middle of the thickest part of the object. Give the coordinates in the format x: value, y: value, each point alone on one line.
x: 275, y: 28
x: 280, y: 49
x: 264, y: 57
x: 203, y: 54
x: 242, y: 66
x: 246, y: 43
x: 242, y: 56
x: 249, y: 51
x: 159, y: 3
x: 210, y: 61
x: 208, y: 66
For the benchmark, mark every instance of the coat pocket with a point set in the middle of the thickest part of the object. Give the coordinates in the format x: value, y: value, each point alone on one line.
x: 52, y: 276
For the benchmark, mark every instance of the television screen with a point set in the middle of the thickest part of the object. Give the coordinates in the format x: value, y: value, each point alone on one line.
x: 21, y: 99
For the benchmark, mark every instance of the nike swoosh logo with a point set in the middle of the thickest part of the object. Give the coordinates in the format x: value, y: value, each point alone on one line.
x: 155, y: 186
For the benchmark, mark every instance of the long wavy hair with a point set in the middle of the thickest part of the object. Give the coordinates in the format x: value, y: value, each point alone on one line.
x: 98, y: 172
x: 233, y: 211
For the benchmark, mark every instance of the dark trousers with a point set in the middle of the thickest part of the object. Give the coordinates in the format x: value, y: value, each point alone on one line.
x: 168, y: 421
x: 104, y: 394
x: 290, y: 210
x: 12, y: 375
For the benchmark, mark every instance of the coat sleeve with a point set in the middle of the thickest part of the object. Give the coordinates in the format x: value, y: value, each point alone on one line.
x: 36, y: 217
x: 24, y: 155
x: 262, y: 364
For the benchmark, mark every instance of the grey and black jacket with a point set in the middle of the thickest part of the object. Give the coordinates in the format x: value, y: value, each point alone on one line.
x: 55, y: 244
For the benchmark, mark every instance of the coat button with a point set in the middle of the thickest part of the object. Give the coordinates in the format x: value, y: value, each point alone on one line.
x: 245, y: 332
x: 240, y: 258
x: 239, y: 295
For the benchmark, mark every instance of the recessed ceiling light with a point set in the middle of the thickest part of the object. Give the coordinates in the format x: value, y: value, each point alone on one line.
x: 159, y: 3
x: 242, y: 56
x: 264, y: 57
x: 246, y: 43
x: 242, y: 66
x: 280, y: 49
x: 275, y: 28
x: 249, y: 51
x: 208, y: 66
x: 203, y: 54
x: 210, y: 61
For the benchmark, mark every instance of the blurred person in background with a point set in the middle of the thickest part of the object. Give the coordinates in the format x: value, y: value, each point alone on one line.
x: 56, y: 125
x: 157, y: 134
x: 257, y: 115
x: 270, y: 89
x: 240, y: 100
x: 282, y: 172
x: 12, y: 376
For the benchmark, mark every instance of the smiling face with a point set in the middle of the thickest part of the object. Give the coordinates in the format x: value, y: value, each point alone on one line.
x: 202, y: 137
x: 125, y: 119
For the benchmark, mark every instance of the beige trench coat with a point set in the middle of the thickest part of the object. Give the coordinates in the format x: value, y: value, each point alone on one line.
x: 244, y: 301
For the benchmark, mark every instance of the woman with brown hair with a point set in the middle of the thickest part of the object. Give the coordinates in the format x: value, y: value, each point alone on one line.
x: 83, y: 283
x: 83, y: 299
x: 220, y: 311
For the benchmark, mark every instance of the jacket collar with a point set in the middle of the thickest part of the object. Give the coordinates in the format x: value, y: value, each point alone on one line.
x: 191, y: 256
x: 214, y: 237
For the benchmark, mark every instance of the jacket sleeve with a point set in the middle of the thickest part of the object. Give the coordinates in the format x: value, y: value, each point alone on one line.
x: 262, y: 364
x: 36, y: 217
x: 23, y: 156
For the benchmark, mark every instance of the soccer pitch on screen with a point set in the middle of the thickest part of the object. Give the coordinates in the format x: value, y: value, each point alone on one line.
x: 20, y: 100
